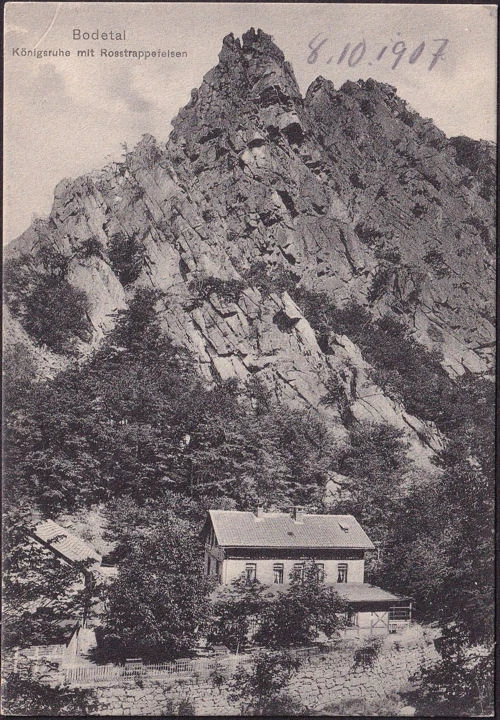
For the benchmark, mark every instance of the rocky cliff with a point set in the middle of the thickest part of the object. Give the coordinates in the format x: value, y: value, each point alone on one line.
x: 259, y: 190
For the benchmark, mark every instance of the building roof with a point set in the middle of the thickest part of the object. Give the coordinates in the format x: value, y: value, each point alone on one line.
x: 355, y: 593
x: 64, y: 543
x: 279, y: 530
x: 364, y: 592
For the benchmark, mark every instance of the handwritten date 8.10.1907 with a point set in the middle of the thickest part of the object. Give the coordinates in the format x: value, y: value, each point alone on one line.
x: 322, y: 50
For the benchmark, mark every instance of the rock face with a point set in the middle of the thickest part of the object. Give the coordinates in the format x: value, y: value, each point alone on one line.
x: 347, y: 191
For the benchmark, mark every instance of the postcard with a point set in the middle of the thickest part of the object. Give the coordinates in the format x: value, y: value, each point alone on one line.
x: 249, y: 352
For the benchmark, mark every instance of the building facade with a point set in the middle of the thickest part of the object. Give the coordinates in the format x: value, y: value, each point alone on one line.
x: 271, y: 547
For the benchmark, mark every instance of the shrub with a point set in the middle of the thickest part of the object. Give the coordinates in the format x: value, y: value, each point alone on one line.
x: 261, y: 690
x: 27, y: 692
x: 435, y: 259
x: 298, y: 615
x: 55, y: 312
x: 367, y: 234
x: 218, y: 677
x: 270, y: 280
x: 50, y: 309
x: 366, y: 655
x: 18, y: 282
x: 204, y: 286
x: 92, y: 246
x: 380, y: 283
x: 126, y: 256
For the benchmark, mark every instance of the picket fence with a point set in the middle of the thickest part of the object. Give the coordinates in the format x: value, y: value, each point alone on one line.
x: 198, y: 669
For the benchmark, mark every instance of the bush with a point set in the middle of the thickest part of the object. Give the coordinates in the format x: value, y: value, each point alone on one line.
x: 27, y: 692
x: 126, y: 256
x: 270, y: 280
x: 51, y: 310
x: 231, y: 613
x: 380, y: 283
x: 90, y: 247
x: 218, y: 677
x: 436, y: 260
x: 55, y: 312
x: 461, y: 684
x: 261, y: 690
x: 366, y: 655
x: 176, y: 706
x: 298, y: 615
x: 204, y: 286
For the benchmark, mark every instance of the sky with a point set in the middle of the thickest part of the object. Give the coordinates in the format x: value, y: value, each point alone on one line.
x: 65, y: 116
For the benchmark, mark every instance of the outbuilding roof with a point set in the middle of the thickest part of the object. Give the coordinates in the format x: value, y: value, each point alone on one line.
x: 63, y: 542
x: 364, y: 593
x: 234, y: 528
x: 353, y: 593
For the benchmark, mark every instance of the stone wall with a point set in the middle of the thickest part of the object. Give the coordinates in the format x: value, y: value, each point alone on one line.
x: 336, y: 683
x: 331, y: 682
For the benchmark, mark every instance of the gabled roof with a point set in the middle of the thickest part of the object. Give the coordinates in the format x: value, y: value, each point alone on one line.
x: 278, y: 530
x: 64, y: 543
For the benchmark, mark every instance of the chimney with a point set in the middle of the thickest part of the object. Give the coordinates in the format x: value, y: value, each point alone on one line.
x: 298, y: 513
x: 259, y: 513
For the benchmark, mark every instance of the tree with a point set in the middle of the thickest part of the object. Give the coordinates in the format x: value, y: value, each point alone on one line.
x: 261, y: 690
x: 126, y: 255
x: 158, y: 605
x: 29, y: 692
x: 460, y: 684
x: 376, y: 461
x: 50, y: 309
x: 301, y: 612
x: 232, y: 612
x: 443, y: 532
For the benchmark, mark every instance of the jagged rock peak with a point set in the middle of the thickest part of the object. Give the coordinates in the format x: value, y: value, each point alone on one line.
x: 254, y: 43
x: 252, y: 74
x: 257, y: 56
x: 261, y: 43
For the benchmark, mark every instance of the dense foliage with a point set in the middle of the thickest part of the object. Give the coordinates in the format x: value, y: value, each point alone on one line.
x: 116, y: 427
x: 159, y: 604
x: 126, y: 255
x: 51, y: 310
x: 134, y: 427
x: 295, y: 615
x: 234, y: 609
x: 27, y: 692
x: 460, y: 684
x: 262, y: 688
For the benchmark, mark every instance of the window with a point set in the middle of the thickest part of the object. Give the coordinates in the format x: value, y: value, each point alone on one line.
x: 278, y: 573
x: 320, y: 569
x: 298, y: 571
x: 251, y: 571
x: 342, y: 570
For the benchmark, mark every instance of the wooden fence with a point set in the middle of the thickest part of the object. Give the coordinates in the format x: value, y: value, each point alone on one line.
x: 196, y: 670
